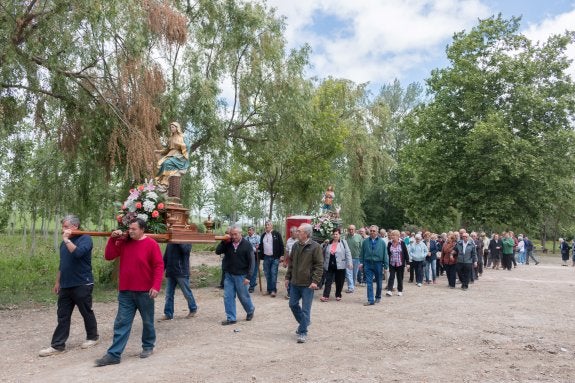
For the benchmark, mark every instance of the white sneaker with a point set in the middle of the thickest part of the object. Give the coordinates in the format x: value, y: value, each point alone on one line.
x: 419, y: 285
x: 389, y: 293
x: 89, y: 343
x: 399, y: 293
x: 49, y: 351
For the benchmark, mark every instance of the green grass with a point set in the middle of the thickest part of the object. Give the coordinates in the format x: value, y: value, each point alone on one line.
x: 28, y: 280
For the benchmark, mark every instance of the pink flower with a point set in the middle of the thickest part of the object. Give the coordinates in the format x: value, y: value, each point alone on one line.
x: 119, y: 218
x: 155, y: 214
x: 138, y: 205
x: 141, y: 188
x: 161, y: 206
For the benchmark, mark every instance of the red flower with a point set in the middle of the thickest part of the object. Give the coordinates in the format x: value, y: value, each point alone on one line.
x: 141, y: 188
x: 138, y: 205
x: 161, y: 206
x: 119, y: 218
x: 123, y: 206
x: 131, y: 191
x: 155, y: 214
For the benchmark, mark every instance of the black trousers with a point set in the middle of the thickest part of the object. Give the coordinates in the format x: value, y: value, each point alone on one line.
x: 450, y: 271
x: 339, y: 276
x: 463, y: 273
x: 393, y: 271
x: 506, y: 261
x: 411, y: 271
x: 80, y: 296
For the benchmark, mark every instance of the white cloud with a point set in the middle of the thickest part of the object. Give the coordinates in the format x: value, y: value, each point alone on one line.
x: 382, y: 39
x: 554, y: 25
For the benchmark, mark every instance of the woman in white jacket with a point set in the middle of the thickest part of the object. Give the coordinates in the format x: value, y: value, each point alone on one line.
x: 336, y: 258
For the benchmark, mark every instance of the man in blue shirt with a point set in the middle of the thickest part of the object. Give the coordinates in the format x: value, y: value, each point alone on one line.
x: 74, y: 285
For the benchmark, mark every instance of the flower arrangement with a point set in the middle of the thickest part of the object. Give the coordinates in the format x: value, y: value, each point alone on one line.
x: 146, y: 203
x: 323, y: 225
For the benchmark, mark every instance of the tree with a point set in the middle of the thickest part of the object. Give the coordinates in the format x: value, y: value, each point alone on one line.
x: 499, y: 124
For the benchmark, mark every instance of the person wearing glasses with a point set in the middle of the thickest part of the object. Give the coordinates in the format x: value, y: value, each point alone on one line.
x: 373, y: 260
x: 466, y: 259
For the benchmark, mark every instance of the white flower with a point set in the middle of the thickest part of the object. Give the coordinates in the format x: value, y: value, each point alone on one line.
x: 130, y: 205
x: 152, y: 195
x: 149, y: 205
x: 143, y: 217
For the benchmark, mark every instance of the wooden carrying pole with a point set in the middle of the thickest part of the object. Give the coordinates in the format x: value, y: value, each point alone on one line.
x: 166, y: 237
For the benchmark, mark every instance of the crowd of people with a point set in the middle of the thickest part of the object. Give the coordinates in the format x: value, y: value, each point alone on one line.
x: 365, y: 256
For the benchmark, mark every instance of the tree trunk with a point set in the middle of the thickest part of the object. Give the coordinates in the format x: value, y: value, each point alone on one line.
x: 55, y: 237
x: 33, y: 232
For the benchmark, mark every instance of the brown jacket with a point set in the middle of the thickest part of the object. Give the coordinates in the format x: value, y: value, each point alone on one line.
x: 306, y: 264
x: 448, y: 248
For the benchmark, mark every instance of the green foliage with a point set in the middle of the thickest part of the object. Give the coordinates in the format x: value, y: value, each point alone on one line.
x: 499, y: 121
x: 26, y: 280
x: 205, y: 276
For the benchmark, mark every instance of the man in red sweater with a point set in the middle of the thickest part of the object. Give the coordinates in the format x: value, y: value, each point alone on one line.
x: 141, y: 273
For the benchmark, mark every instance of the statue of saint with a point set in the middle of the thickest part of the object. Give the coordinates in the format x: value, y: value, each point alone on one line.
x: 174, y: 160
x: 328, y: 198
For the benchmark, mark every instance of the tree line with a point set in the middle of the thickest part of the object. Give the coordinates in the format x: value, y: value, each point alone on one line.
x: 87, y: 90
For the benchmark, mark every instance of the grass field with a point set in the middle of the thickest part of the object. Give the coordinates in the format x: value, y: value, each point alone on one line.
x: 28, y: 280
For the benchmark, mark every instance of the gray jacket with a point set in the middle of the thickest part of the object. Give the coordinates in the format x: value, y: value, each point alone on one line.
x: 470, y: 254
x: 342, y: 255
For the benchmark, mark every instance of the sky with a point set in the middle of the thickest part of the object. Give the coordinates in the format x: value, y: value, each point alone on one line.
x: 377, y: 41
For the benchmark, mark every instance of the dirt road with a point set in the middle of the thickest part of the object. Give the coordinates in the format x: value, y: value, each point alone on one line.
x: 509, y: 326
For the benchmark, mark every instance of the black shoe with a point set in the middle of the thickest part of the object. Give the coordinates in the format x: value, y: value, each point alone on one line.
x: 377, y: 300
x: 146, y: 352
x: 368, y: 304
x: 106, y: 360
x: 250, y: 316
x: 228, y: 322
x: 251, y: 290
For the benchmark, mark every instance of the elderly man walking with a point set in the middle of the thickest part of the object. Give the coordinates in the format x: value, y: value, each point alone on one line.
x: 238, y: 265
x: 373, y: 260
x: 303, y: 275
x: 74, y: 285
x: 466, y: 259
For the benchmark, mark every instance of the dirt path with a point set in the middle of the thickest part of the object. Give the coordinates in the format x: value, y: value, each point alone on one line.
x: 509, y: 326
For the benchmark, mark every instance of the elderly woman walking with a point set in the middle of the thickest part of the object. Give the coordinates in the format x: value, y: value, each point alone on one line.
x: 398, y: 259
x: 449, y: 259
x: 336, y: 258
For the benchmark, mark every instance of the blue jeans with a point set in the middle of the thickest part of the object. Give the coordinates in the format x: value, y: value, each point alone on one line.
x: 372, y: 269
x: 428, y: 265
x: 184, y: 283
x: 301, y: 313
x: 128, y: 303
x: 234, y: 285
x: 521, y: 257
x: 254, y: 280
x: 271, y: 265
x: 350, y: 277
x: 355, y: 270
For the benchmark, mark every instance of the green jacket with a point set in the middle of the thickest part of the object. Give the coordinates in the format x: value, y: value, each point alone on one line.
x: 306, y: 264
x: 354, y: 242
x: 377, y: 254
x: 508, y: 244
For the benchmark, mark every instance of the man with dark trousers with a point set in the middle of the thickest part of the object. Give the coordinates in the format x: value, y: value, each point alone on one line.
x: 466, y: 259
x: 271, y: 250
x: 74, y: 285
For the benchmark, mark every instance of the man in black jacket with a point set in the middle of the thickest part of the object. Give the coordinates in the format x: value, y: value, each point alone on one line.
x: 238, y: 265
x: 271, y: 250
x: 177, y: 267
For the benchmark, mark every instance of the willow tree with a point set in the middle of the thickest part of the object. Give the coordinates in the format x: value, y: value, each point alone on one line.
x: 495, y: 141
